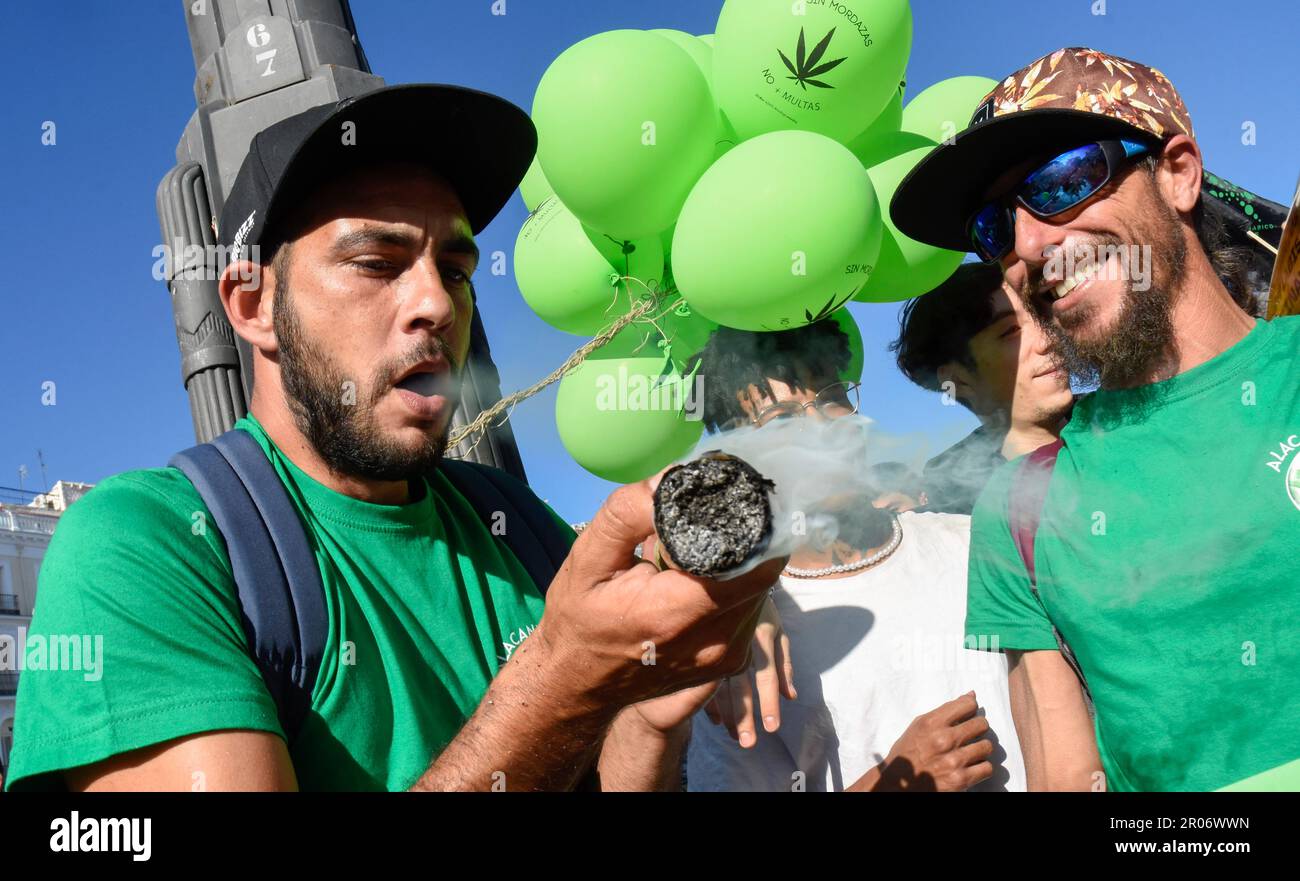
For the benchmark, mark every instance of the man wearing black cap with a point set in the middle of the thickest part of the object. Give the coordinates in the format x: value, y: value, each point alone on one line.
x: 979, y: 346
x: 1156, y: 541
x: 440, y: 670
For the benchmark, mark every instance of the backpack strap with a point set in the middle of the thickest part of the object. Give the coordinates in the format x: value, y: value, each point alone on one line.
x: 1024, y: 512
x: 509, y: 508
x: 277, y: 577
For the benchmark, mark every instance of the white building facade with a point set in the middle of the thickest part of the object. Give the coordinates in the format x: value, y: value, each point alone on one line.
x: 25, y: 532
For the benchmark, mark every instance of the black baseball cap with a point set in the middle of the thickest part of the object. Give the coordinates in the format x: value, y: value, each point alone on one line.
x: 480, y: 144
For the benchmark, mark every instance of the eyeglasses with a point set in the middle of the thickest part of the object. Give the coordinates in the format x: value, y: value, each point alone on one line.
x: 833, y: 402
x: 1057, y: 186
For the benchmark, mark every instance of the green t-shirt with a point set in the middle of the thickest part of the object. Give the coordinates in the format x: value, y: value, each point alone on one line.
x: 1167, y: 558
x: 424, y: 606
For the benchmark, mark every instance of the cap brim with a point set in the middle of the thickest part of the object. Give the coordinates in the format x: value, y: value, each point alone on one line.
x: 936, y: 200
x: 481, y: 144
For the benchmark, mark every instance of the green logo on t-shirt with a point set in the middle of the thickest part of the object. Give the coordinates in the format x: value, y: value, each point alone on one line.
x: 1293, y: 482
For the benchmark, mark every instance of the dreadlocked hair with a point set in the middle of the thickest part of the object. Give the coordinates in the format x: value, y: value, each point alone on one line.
x: 733, y: 360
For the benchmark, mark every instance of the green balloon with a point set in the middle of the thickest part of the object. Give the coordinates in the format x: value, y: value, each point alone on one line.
x: 727, y: 137
x: 535, y: 188
x: 707, y: 39
x: 568, y: 274
x: 844, y: 318
x: 867, y: 145
x: 666, y: 240
x: 946, y: 107
x: 685, y: 331
x: 627, y: 411
x: 831, y: 70
x: 626, y: 125
x: 906, y: 268
x: 702, y: 53
x: 780, y: 232
x: 888, y: 145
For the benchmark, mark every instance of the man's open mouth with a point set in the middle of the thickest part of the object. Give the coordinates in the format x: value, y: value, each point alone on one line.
x: 427, y: 384
x: 427, y: 379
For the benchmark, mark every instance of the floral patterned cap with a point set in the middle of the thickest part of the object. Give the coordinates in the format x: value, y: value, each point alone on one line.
x: 1060, y: 101
x: 1093, y: 82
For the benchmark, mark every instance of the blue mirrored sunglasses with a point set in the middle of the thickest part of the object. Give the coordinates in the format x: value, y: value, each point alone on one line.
x: 1056, y: 186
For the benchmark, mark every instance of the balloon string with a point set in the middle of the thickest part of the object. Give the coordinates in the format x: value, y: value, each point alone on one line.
x: 481, y: 422
x: 616, y: 280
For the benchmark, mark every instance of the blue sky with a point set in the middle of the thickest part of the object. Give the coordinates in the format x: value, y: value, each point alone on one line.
x: 79, y: 307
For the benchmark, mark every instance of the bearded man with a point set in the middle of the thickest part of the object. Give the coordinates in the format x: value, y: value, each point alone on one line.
x: 443, y: 667
x: 1158, y: 552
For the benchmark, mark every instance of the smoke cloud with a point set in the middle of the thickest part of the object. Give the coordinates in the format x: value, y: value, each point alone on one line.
x: 822, y: 471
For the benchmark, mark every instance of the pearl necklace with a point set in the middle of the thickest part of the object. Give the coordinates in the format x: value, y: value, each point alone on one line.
x: 850, y: 567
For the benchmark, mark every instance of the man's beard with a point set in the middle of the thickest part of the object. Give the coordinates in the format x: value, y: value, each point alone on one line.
x: 346, y: 435
x: 1142, y: 335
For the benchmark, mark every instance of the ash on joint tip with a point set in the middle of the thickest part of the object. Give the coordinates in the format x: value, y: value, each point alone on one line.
x: 713, y: 514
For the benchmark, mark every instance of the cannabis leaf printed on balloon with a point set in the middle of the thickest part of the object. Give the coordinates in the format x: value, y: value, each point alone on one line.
x: 832, y: 306
x: 538, y: 210
x: 826, y: 311
x: 807, y: 66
